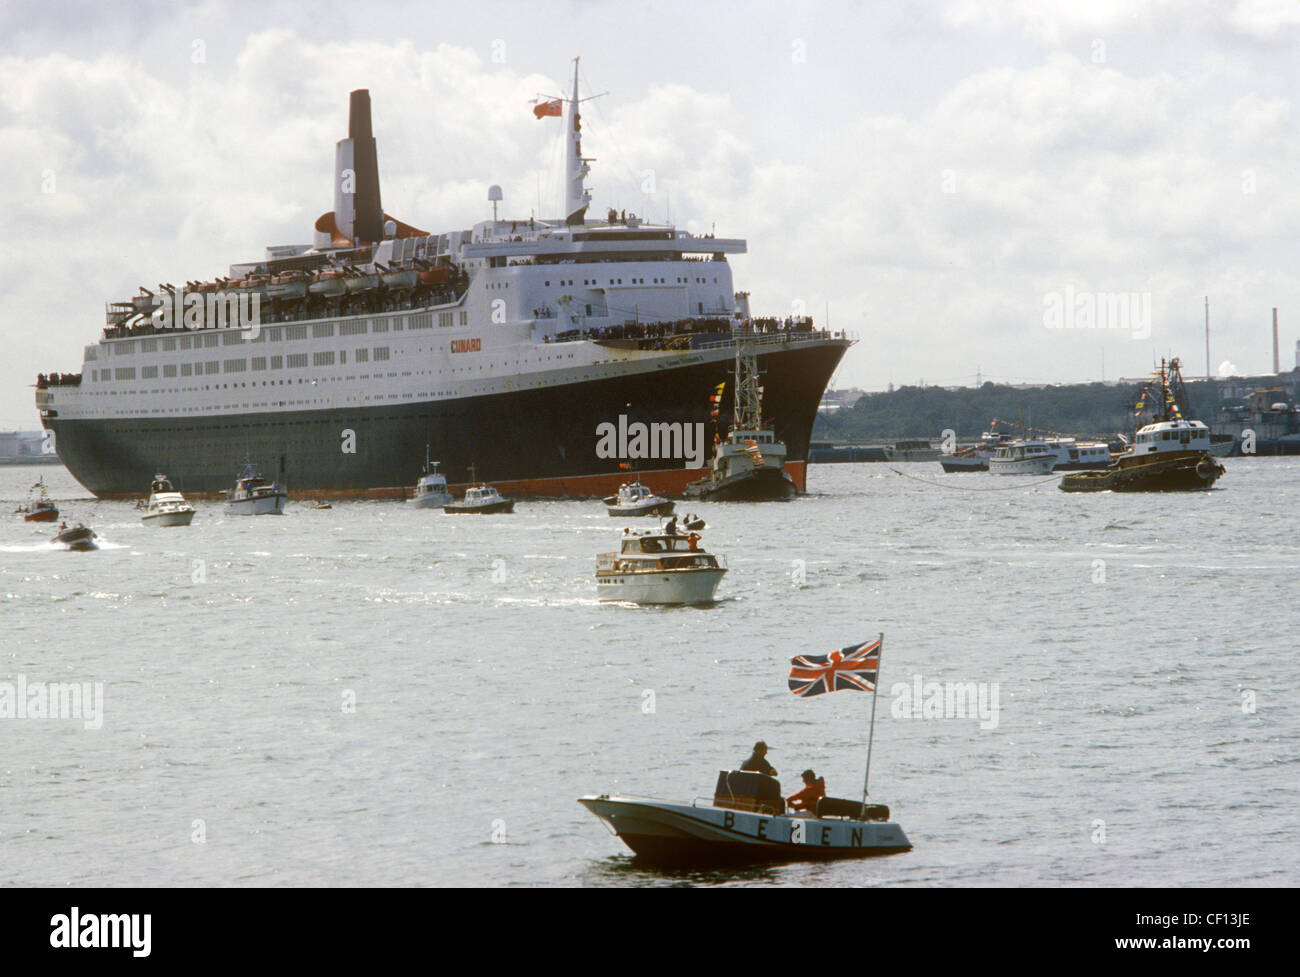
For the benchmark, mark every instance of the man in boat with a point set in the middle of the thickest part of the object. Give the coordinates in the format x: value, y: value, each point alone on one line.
x: 814, y: 789
x: 671, y: 528
x: 757, y: 761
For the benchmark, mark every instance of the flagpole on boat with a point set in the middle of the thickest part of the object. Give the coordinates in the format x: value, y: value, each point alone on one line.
x: 875, y: 691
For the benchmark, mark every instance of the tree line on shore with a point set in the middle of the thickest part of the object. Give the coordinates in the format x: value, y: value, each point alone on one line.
x: 1085, y: 409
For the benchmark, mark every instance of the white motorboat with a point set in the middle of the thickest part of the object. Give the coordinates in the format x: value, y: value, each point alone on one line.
x: 481, y: 500
x: 431, y: 489
x: 1074, y: 456
x: 253, y: 495
x: 635, y: 499
x: 659, y: 568
x: 974, y: 457
x: 167, y: 507
x: 1029, y: 457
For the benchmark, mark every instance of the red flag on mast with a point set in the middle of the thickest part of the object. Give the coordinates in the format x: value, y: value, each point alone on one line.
x: 553, y: 107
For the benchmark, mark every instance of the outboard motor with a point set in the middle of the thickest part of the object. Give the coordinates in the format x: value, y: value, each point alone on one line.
x: 839, y: 807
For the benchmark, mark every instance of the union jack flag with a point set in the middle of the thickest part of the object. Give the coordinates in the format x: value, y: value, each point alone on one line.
x: 848, y: 668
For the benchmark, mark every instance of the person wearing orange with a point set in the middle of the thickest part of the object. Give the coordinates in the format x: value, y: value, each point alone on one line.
x: 814, y: 789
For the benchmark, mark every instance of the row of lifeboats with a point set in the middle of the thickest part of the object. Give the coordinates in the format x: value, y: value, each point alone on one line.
x: 298, y: 284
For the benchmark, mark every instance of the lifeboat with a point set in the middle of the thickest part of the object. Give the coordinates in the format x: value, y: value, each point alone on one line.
x: 329, y: 283
x: 400, y: 279
x: 290, y: 285
x: 360, y: 282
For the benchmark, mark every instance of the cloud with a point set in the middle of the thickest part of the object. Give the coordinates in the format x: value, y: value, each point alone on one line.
x: 932, y: 229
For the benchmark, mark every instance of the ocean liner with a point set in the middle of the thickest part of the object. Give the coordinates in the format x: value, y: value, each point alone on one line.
x: 508, y: 347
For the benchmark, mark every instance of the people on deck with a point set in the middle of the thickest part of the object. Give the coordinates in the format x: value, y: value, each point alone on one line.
x: 814, y: 789
x: 757, y: 761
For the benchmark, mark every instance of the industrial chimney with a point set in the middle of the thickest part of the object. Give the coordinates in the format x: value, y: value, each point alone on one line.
x: 1277, y: 361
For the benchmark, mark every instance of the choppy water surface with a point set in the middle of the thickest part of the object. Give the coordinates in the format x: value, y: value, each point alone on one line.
x: 491, y: 689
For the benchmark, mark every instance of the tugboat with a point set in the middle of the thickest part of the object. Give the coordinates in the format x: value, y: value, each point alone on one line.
x: 749, y: 465
x: 1023, y: 457
x: 78, y: 538
x: 634, y: 499
x: 167, y: 507
x: 1169, y: 455
x: 431, y: 490
x: 748, y: 820
x: 253, y: 495
x: 41, y: 510
x: 659, y: 568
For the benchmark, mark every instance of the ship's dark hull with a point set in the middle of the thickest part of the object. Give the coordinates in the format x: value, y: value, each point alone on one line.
x: 536, y: 442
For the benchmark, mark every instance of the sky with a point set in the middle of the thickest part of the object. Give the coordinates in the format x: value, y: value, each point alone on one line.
x: 1023, y: 191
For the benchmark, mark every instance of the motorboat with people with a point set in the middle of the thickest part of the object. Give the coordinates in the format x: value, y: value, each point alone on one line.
x: 635, y: 499
x: 166, y: 506
x: 749, y: 463
x: 431, y: 489
x: 41, y: 508
x: 748, y: 821
x: 79, y: 538
x: 482, y: 500
x: 1023, y: 456
x: 253, y: 495
x: 1171, y: 454
x: 749, y: 818
x: 659, y: 567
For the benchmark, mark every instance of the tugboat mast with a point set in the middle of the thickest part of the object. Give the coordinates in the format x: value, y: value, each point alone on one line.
x: 748, y: 408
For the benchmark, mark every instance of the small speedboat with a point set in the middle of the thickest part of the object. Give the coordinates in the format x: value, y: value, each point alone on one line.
x: 748, y: 822
x: 40, y: 509
x: 253, y: 495
x: 481, y: 500
x: 658, y: 568
x: 634, y: 499
x: 79, y: 537
x: 166, y: 507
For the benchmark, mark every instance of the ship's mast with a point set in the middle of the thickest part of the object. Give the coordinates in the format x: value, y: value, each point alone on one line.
x: 576, y: 196
x: 748, y: 407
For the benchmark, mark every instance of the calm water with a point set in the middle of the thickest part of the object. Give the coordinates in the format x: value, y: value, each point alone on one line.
x: 491, y: 689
